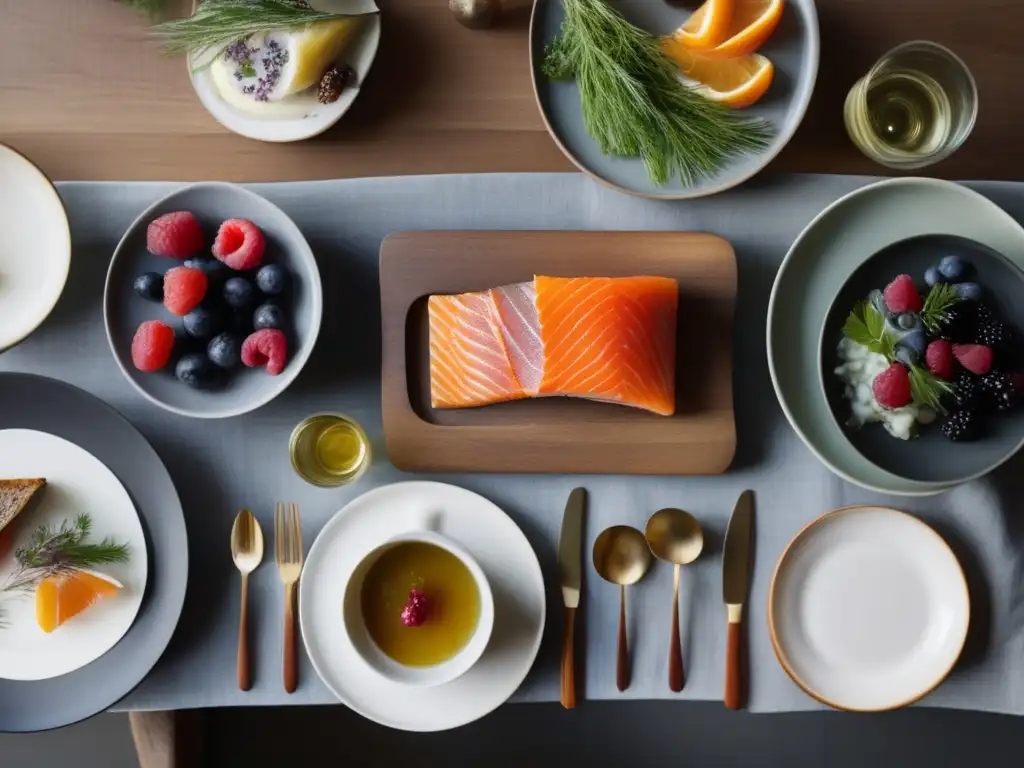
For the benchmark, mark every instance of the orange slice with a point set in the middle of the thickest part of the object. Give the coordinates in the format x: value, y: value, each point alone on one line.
x: 751, y: 23
x: 736, y: 82
x: 708, y: 26
x: 58, y: 598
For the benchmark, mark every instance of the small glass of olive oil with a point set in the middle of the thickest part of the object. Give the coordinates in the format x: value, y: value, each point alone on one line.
x: 329, y: 450
x: 915, y: 107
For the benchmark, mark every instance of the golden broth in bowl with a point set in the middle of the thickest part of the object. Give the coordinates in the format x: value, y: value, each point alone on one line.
x: 452, y: 603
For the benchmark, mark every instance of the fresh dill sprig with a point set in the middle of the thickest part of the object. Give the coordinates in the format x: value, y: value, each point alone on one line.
x: 218, y: 23
x: 635, y: 105
x: 940, y: 298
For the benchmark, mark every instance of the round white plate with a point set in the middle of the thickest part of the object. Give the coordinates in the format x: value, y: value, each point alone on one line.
x: 868, y: 609
x: 317, y: 119
x: 505, y: 556
x: 35, y: 247
x: 76, y: 483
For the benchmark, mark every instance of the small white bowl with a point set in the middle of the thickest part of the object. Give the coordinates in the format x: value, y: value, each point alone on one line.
x: 424, y: 677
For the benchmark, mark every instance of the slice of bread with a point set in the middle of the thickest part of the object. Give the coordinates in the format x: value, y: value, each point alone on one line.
x: 15, y: 496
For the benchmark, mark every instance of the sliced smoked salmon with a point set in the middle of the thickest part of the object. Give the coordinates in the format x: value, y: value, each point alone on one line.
x: 609, y: 339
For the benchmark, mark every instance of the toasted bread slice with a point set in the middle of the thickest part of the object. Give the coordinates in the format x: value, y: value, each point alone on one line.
x: 15, y: 496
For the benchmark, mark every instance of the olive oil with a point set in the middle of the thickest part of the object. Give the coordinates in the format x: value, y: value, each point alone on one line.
x: 453, y: 601
x: 329, y: 450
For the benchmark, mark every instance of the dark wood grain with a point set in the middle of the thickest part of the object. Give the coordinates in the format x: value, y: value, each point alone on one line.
x: 676, y: 676
x: 622, y: 657
x: 98, y: 101
x: 734, y: 684
x: 568, y: 670
x: 557, y: 434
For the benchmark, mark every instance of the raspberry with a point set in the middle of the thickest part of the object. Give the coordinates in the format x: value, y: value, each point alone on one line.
x: 901, y: 295
x: 152, y: 345
x: 265, y: 347
x: 892, y: 387
x: 184, y: 288
x: 239, y: 244
x: 939, y: 358
x: 175, y: 235
x: 416, y: 609
x: 976, y: 358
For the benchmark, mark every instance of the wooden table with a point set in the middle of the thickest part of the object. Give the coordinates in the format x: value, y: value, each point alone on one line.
x: 87, y: 95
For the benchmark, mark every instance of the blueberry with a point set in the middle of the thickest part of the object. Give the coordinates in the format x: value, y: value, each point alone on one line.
x: 203, y: 322
x: 908, y: 321
x: 272, y: 279
x: 953, y: 267
x: 239, y: 293
x: 268, y: 316
x: 969, y: 291
x: 197, y: 371
x: 216, y: 271
x: 225, y: 350
x: 933, y: 277
x: 912, y: 346
x: 150, y: 286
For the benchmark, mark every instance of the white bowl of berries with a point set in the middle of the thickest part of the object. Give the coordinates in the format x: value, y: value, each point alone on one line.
x: 212, y: 302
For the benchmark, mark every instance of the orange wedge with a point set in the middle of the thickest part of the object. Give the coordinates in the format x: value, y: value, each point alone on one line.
x: 751, y: 23
x: 708, y: 26
x: 736, y: 82
x: 58, y: 598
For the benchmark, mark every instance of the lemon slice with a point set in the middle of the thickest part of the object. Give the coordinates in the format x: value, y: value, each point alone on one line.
x: 315, y: 49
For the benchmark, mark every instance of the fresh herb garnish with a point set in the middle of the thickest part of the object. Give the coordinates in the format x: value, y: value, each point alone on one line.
x: 940, y: 298
x: 635, y: 105
x: 866, y: 326
x: 928, y: 389
x: 148, y: 7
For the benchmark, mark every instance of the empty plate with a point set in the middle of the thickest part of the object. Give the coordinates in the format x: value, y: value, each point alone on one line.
x: 868, y: 609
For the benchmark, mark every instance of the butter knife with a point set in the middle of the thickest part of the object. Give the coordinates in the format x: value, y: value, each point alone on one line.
x: 570, y: 577
x: 736, y: 565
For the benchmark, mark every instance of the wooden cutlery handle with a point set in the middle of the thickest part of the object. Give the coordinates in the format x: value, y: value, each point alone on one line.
x: 734, y: 666
x: 291, y: 655
x: 676, y: 678
x: 244, y: 670
x: 622, y: 667
x: 568, y: 660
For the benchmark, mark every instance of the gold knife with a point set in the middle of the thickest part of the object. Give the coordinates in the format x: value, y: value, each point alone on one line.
x: 570, y: 576
x: 737, y: 561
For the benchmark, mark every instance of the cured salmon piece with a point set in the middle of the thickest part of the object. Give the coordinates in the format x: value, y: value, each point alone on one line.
x: 520, y: 328
x: 469, y: 364
x: 611, y: 339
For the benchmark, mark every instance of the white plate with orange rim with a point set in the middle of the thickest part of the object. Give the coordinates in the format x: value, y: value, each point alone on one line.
x: 501, y: 550
x: 77, y: 483
x: 304, y: 116
x: 35, y: 247
x: 868, y: 609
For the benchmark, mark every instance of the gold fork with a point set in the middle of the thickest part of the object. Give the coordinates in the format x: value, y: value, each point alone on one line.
x: 288, y: 550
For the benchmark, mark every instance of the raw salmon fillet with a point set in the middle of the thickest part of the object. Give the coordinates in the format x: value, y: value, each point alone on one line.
x: 611, y: 339
x: 601, y: 338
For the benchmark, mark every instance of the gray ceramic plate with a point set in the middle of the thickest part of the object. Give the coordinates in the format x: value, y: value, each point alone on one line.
x: 930, y: 457
x: 123, y: 310
x: 47, y: 405
x: 793, y: 49
x: 827, y: 252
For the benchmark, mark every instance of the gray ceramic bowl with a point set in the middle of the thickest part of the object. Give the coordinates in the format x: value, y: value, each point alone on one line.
x: 930, y: 457
x: 123, y: 310
x: 793, y: 48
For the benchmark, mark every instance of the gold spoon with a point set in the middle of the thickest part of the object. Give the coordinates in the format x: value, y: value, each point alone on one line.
x: 621, y: 556
x: 247, y: 552
x: 675, y: 536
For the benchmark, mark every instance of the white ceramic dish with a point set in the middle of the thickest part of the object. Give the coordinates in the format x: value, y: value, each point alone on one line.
x: 77, y: 482
x: 868, y: 609
x: 502, y: 551
x: 821, y: 260
x: 439, y: 674
x: 35, y: 247
x: 316, y: 117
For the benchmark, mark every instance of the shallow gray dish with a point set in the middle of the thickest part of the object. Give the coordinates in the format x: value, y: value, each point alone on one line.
x: 793, y: 49
x: 36, y: 402
x: 930, y: 457
x: 123, y: 310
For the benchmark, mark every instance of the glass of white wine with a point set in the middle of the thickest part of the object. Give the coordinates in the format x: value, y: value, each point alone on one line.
x: 915, y: 107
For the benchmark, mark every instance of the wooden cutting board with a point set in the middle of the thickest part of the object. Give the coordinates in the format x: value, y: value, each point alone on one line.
x: 559, y: 435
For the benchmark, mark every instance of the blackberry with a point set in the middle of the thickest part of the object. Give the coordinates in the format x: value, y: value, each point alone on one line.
x: 961, y: 323
x: 993, y: 334
x: 999, y: 390
x: 968, y: 393
x: 962, y: 426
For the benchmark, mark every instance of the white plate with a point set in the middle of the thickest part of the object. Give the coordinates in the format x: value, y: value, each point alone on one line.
x: 76, y: 483
x: 35, y: 247
x: 319, y: 117
x: 868, y: 609
x: 505, y: 556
